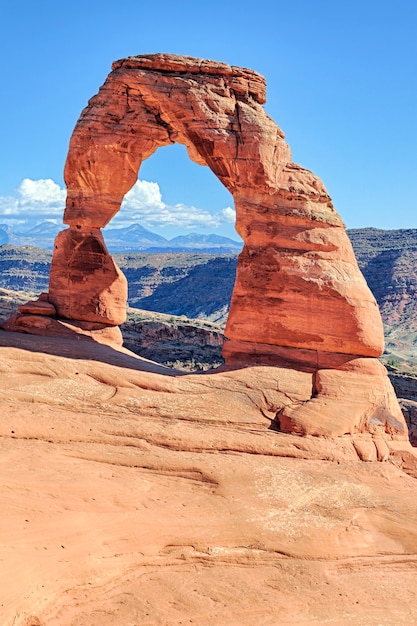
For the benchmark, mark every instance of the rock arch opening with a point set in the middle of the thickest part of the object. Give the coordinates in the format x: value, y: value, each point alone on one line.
x: 177, y: 206
x: 173, y: 196
x: 182, y: 182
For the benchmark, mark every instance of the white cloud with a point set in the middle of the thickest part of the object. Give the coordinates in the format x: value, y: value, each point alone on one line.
x: 44, y: 193
x: 143, y: 194
x: 8, y: 207
x: 144, y: 204
x: 38, y: 200
x: 229, y: 215
x: 34, y: 201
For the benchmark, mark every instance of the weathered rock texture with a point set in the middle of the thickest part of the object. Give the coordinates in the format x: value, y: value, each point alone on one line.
x: 299, y: 300
x: 86, y: 284
x: 131, y: 494
x: 298, y: 284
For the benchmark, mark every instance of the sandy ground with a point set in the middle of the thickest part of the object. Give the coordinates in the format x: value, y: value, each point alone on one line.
x: 132, y: 495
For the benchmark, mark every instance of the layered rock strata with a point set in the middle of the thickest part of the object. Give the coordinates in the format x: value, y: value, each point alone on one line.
x: 39, y: 317
x: 85, y: 282
x: 300, y: 300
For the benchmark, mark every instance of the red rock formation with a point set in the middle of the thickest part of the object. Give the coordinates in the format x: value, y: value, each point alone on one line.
x: 187, y: 444
x: 299, y: 300
x: 298, y: 283
x: 85, y: 283
x: 134, y: 495
x: 87, y: 292
x: 41, y: 306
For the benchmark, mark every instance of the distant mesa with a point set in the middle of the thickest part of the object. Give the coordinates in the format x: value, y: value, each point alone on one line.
x: 300, y: 302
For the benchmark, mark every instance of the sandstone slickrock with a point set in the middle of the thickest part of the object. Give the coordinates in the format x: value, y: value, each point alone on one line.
x: 299, y: 299
x: 133, y: 494
x: 35, y: 324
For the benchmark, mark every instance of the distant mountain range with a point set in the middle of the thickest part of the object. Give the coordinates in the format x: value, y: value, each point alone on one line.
x: 133, y: 238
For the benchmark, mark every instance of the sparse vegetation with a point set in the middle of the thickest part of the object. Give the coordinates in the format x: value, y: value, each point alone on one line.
x: 175, y: 341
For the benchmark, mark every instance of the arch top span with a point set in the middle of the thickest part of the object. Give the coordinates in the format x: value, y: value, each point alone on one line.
x: 149, y: 101
x: 244, y: 81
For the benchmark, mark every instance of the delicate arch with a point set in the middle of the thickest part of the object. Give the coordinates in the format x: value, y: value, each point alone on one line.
x: 299, y: 300
x: 298, y: 285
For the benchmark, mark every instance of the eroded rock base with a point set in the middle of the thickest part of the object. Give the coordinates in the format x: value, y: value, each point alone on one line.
x: 343, y: 393
x: 40, y: 318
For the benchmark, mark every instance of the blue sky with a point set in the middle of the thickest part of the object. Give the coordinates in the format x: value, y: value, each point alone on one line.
x: 341, y: 83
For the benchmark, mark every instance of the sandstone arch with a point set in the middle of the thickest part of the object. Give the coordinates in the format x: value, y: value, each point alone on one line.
x: 299, y: 301
x: 318, y: 300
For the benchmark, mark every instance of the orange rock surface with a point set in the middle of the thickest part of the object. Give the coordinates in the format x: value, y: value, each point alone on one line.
x: 299, y: 301
x: 38, y: 307
x: 133, y: 494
